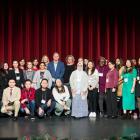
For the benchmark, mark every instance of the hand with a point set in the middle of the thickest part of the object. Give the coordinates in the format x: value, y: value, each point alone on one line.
x: 23, y: 101
x: 49, y: 103
x: 63, y: 103
x: 132, y: 90
x: 113, y: 89
x: 66, y: 107
x: 73, y: 91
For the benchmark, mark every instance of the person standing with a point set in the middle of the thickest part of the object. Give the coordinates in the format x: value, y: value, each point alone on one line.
x: 103, y: 70
x: 56, y: 68
x: 93, y: 85
x: 79, y: 88
x: 128, y: 91
x: 111, y: 88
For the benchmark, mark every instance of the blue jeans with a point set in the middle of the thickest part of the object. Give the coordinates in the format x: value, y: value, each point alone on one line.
x: 47, y: 109
x: 30, y: 106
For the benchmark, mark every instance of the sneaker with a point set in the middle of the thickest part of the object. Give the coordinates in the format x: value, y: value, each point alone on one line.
x: 94, y: 114
x: 15, y: 118
x: 90, y: 115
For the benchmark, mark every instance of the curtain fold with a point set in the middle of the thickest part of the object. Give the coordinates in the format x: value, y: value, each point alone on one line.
x: 32, y: 31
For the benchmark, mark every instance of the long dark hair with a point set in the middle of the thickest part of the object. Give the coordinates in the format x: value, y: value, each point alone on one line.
x: 57, y: 88
x: 93, y: 69
x: 120, y: 65
x: 2, y: 71
x: 126, y: 70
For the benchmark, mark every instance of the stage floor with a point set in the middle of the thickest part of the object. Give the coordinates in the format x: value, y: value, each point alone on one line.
x: 69, y: 128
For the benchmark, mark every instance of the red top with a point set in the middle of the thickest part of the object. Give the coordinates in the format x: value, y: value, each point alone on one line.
x: 112, y: 79
x: 27, y: 94
x: 35, y: 69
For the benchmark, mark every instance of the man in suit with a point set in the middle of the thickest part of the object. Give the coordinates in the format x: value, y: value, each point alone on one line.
x: 56, y: 67
x: 11, y: 99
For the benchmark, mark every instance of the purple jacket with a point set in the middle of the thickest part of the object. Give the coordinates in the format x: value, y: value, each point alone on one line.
x: 102, y: 77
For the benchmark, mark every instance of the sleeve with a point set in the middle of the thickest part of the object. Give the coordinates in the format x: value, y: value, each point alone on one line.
x: 85, y: 86
x: 49, y: 67
x: 22, y: 98
x: 96, y: 78
x: 71, y: 80
x: 56, y: 96
x: 49, y: 79
x: 116, y: 78
x: 35, y: 80
x: 134, y: 73
x: 67, y: 93
x: 22, y: 77
x: 62, y: 70
x: 4, y: 98
x: 18, y: 95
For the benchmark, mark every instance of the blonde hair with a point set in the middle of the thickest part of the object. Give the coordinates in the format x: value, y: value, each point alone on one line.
x: 68, y: 57
x: 42, y: 60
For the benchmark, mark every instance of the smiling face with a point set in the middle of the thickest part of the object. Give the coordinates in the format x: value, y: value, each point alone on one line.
x: 42, y: 66
x: 15, y: 64
x: 128, y: 63
x: 117, y: 61
x: 90, y: 65
x: 35, y: 62
x: 110, y: 65
x: 28, y: 84
x: 102, y: 62
x: 11, y: 83
x: 5, y: 66
x: 55, y: 56
x: 58, y: 83
x: 29, y: 65
x: 44, y: 84
x: 22, y: 62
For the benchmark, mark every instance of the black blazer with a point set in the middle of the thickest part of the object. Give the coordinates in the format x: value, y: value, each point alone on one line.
x: 13, y: 75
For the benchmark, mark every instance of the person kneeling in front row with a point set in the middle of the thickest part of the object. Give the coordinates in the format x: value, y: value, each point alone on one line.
x: 62, y: 98
x: 44, y: 100
x: 11, y: 99
x: 28, y: 99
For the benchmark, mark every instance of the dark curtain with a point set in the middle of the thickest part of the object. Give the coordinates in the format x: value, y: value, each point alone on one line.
x: 29, y: 29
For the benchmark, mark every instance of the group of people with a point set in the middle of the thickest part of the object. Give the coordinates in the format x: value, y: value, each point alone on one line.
x: 109, y: 89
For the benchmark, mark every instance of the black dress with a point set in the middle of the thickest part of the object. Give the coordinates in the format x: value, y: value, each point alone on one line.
x: 138, y: 83
x: 68, y: 70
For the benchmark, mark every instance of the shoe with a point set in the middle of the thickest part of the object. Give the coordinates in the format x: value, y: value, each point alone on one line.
x: 129, y: 116
x: 101, y: 114
x: 114, y: 117
x: 32, y: 117
x: 106, y: 116
x: 15, y: 118
x: 124, y: 117
x: 93, y: 114
x: 90, y: 115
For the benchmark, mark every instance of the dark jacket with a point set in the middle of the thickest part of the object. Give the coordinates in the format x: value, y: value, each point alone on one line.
x: 45, y: 95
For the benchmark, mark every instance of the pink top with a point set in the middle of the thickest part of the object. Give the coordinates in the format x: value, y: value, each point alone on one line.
x: 112, y: 79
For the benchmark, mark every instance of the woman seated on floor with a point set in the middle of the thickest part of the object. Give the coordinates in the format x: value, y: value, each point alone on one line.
x: 28, y: 99
x: 44, y: 100
x: 62, y: 98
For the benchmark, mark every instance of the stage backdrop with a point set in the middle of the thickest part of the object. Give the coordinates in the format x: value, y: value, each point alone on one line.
x: 30, y: 29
